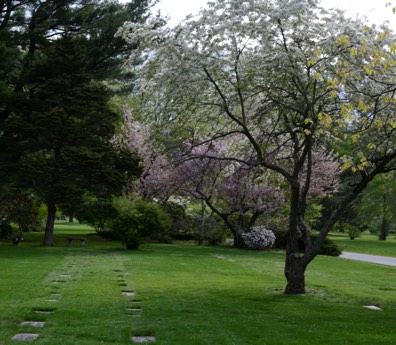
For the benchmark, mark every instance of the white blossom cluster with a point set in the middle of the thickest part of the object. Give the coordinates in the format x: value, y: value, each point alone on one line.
x: 259, y: 238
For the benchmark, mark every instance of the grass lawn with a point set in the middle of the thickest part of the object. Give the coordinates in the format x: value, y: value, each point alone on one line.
x: 187, y: 295
x: 366, y: 243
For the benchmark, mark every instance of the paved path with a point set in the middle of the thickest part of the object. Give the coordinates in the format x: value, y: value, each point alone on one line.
x: 376, y: 259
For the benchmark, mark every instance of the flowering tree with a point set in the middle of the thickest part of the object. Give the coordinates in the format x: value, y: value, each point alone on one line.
x: 286, y: 80
x: 237, y: 192
x: 158, y: 180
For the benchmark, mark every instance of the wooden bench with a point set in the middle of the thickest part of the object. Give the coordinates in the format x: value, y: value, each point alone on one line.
x: 71, y: 239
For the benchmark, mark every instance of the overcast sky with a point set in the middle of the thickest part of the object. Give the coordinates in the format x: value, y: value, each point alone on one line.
x: 375, y: 10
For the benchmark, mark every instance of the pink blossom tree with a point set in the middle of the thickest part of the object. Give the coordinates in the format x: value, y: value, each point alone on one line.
x: 159, y: 179
x: 236, y: 192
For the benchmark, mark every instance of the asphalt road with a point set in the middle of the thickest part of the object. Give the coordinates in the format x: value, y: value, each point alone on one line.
x: 376, y: 259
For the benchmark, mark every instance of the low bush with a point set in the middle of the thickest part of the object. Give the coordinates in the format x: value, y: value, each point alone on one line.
x: 259, y: 238
x: 98, y: 214
x: 181, y: 224
x: 281, y: 236
x: 137, y: 220
x: 187, y: 230
x: 30, y: 215
x: 212, y: 233
x: 351, y: 228
x: 6, y: 230
x: 328, y: 246
x: 352, y: 231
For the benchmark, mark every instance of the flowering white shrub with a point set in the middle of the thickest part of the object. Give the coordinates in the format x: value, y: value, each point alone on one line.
x: 259, y: 238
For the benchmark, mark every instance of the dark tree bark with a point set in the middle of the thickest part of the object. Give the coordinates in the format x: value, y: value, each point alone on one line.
x: 384, y: 229
x: 49, y: 227
x: 294, y: 265
x: 71, y: 215
x: 384, y: 224
x: 295, y: 274
x: 237, y: 228
x: 238, y: 240
x: 203, y: 222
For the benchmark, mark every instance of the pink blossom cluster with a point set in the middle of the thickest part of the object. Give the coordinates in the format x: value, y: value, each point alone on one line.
x: 325, y: 174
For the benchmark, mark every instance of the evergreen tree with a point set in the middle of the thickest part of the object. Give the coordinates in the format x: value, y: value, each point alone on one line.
x: 56, y: 121
x: 61, y: 138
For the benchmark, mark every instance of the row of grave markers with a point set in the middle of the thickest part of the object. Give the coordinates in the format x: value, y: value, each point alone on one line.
x: 40, y: 324
x: 134, y: 311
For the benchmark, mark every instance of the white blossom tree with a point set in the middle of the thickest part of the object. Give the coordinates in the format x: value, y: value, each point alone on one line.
x: 285, y: 81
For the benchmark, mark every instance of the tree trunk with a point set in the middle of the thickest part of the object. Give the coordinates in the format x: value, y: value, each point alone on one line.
x: 203, y: 221
x: 295, y: 275
x: 294, y: 267
x: 384, y: 225
x: 49, y: 226
x: 384, y: 229
x: 71, y: 215
x: 238, y: 240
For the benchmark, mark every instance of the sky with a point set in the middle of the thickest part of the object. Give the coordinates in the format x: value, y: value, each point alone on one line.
x: 375, y: 10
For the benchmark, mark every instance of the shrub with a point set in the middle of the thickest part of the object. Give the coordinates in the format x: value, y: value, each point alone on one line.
x: 16, y: 237
x: 138, y: 219
x: 30, y: 213
x: 352, y: 231
x: 186, y: 231
x: 328, y: 247
x: 259, y: 238
x: 281, y: 236
x: 181, y: 223
x: 213, y: 232
x: 98, y: 214
x: 6, y: 230
x: 31, y: 216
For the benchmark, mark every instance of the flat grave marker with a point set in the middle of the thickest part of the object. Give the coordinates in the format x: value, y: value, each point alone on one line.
x: 25, y: 336
x: 128, y: 293
x: 37, y: 324
x: 143, y: 339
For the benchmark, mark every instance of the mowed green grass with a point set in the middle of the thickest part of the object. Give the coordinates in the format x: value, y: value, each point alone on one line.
x: 366, y: 243
x: 187, y: 295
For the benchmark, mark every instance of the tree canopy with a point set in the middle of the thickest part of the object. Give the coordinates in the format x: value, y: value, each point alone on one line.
x: 62, y: 67
x: 286, y: 82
